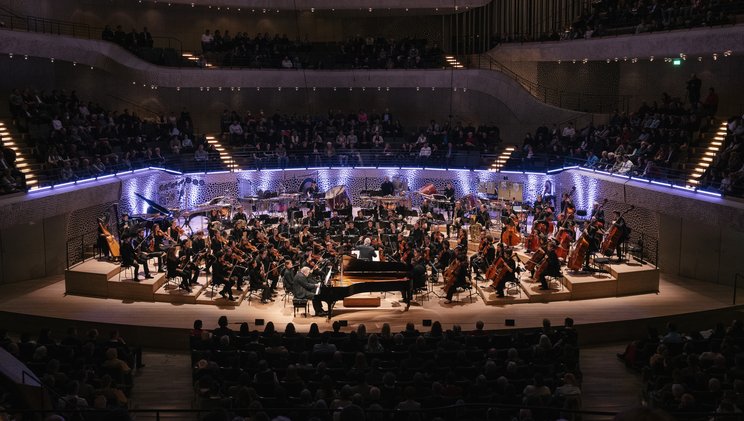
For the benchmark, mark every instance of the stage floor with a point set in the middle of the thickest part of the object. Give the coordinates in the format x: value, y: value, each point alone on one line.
x: 46, y: 298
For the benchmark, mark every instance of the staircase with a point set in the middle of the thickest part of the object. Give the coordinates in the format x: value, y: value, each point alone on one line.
x: 501, y: 160
x: 225, y: 156
x: 705, y: 154
x: 24, y: 161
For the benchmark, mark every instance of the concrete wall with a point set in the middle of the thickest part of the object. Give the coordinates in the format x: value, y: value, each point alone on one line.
x: 319, y: 26
x: 481, y: 96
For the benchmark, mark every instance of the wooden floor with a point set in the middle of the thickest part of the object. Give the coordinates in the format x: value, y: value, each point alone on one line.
x: 45, y: 300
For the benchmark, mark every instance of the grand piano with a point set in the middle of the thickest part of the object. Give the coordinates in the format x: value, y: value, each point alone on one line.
x: 357, y: 276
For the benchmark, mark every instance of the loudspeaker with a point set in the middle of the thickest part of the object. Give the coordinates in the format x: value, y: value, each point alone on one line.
x: 581, y: 212
x: 427, y: 322
x: 259, y: 322
x: 343, y: 323
x: 510, y: 322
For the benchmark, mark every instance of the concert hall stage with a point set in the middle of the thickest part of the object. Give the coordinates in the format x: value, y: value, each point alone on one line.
x: 43, y: 302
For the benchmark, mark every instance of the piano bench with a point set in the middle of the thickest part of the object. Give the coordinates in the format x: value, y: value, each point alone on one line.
x: 300, y: 303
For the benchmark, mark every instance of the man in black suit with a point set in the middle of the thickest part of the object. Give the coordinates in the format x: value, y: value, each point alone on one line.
x: 387, y: 187
x: 366, y: 251
x: 304, y: 289
x: 129, y: 258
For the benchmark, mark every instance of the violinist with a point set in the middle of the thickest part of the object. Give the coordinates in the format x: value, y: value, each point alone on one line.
x: 459, y: 277
x: 259, y: 280
x: 190, y: 260
x: 369, y: 229
x: 305, y: 237
x: 174, y: 232
x: 417, y: 235
x: 284, y: 229
x: 175, y: 268
x: 200, y: 245
x: 131, y: 258
x: 483, y: 217
x: 539, y: 204
x: 444, y: 258
x: 214, y: 216
x: 327, y: 229
x: 554, y: 266
x: 222, y: 274
x: 511, y: 271
x: 350, y: 230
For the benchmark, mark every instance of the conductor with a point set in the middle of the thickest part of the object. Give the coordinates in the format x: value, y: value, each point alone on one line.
x: 366, y: 251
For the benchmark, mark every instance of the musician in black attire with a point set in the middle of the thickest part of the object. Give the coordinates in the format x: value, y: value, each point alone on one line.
x: 417, y: 235
x: 129, y: 258
x: 222, y: 269
x: 199, y: 245
x: 386, y: 188
x: 460, y: 276
x: 102, y: 243
x: 598, y: 213
x: 284, y: 229
x: 624, y: 231
x: 175, y: 268
x: 143, y: 252
x: 417, y: 276
x: 366, y: 251
x: 351, y: 230
x: 554, y: 266
x: 425, y: 207
x: 483, y: 217
x: 511, y: 271
x: 327, y: 229
x: 125, y: 225
x: 239, y: 215
x: 304, y: 289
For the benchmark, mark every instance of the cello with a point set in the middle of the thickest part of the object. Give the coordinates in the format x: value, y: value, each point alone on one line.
x: 535, y: 259
x: 110, y: 240
x: 450, y: 274
x: 613, y: 236
x: 493, y: 269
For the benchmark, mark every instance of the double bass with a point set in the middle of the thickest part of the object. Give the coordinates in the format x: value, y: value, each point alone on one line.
x: 578, y: 253
x: 613, y: 236
x: 493, y: 269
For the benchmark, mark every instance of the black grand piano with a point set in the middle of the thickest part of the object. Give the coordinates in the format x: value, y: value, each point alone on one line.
x: 357, y: 276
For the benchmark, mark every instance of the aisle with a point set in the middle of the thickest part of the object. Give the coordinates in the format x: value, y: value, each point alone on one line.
x: 164, y: 383
x: 608, y: 385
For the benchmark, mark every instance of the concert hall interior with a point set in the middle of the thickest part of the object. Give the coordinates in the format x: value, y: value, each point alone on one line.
x: 315, y: 210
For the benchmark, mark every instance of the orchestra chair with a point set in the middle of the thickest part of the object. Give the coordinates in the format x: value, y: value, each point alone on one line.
x: 468, y: 288
x: 287, y: 293
x: 125, y: 268
x: 557, y: 279
x: 514, y: 285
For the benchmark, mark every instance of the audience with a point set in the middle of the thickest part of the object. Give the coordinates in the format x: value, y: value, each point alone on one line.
x: 80, y: 373
x: 613, y: 17
x: 405, y: 373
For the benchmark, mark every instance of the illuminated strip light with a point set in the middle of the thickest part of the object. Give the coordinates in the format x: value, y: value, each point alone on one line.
x: 64, y: 184
x: 511, y: 172
x: 37, y: 188
x: 688, y: 188
x: 643, y: 180
x: 431, y: 169
x: 709, y: 193
x: 140, y: 170
x: 412, y: 168
x: 659, y: 183
x: 103, y: 177
x: 119, y: 174
x: 218, y: 172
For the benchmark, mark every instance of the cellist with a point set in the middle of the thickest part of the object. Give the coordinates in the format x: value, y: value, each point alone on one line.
x: 554, y: 266
x: 510, y: 275
x: 459, y: 276
x: 619, y: 223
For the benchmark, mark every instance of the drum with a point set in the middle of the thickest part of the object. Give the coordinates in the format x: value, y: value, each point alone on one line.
x: 428, y: 190
x: 337, y: 197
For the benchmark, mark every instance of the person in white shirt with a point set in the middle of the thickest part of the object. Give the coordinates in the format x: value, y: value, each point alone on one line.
x: 186, y: 144
x: 425, y: 151
x: 286, y: 63
x: 206, y: 40
x: 568, y: 132
x: 626, y: 166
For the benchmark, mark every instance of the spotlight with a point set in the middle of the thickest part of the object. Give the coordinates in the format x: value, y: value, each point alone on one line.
x: 52, y: 60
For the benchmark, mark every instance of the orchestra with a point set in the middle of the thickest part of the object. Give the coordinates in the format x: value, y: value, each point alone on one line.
x: 247, y: 251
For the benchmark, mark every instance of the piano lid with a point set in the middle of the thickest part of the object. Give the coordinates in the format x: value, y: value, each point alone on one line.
x: 162, y: 209
x: 350, y: 265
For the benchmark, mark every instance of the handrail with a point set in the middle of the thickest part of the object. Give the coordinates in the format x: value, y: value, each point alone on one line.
x: 602, y: 103
x: 134, y: 104
x: 77, y: 258
x: 16, y: 22
x: 736, y: 283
